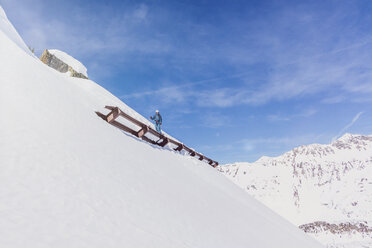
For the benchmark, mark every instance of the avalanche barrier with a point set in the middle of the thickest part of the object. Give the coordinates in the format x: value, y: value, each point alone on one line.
x: 140, y: 130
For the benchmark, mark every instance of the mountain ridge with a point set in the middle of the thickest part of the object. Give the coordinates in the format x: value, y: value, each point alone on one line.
x: 314, y: 183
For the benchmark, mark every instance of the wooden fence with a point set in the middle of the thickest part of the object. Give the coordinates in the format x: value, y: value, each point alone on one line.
x: 142, y: 131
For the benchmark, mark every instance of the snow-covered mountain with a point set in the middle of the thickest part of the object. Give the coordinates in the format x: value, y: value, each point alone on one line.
x: 322, y: 188
x: 68, y: 179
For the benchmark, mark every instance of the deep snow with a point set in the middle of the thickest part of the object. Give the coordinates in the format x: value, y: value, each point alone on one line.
x: 68, y: 179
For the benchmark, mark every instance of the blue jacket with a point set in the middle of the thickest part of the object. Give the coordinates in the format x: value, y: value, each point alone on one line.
x: 157, y: 118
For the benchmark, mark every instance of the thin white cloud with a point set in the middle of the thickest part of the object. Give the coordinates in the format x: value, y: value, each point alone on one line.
x: 343, y: 130
x: 98, y: 34
x: 336, y: 72
x: 183, y: 86
x: 216, y: 120
x: 277, y: 117
x: 310, y: 64
x: 307, y: 113
x: 303, y: 114
x: 279, y: 143
x: 141, y: 12
x: 334, y: 99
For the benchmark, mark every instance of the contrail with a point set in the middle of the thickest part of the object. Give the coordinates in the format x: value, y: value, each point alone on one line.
x: 165, y: 89
x: 348, y: 126
x: 204, y: 81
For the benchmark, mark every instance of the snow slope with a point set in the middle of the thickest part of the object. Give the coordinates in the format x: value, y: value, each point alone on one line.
x: 8, y: 29
x: 71, y: 61
x: 329, y: 183
x: 68, y: 179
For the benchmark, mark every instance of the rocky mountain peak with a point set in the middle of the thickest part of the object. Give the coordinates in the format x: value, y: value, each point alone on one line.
x: 317, y: 183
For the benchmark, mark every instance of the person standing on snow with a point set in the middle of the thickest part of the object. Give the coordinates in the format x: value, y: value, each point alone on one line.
x: 158, y: 120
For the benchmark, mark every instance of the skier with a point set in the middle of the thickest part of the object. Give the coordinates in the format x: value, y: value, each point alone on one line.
x: 158, y: 120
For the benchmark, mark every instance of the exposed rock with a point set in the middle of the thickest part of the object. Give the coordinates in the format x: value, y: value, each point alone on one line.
x: 340, y: 228
x: 54, y: 62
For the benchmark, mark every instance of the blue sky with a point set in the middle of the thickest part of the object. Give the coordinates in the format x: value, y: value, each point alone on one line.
x: 236, y: 80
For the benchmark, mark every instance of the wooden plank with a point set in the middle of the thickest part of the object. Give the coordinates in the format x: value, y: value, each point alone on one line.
x: 149, y: 129
x: 138, y: 123
x: 174, y: 142
x: 148, y: 140
x: 109, y: 107
x: 112, y: 115
x: 153, y: 132
x: 142, y: 132
x: 101, y: 115
x: 201, y: 157
x: 179, y: 148
x: 122, y: 127
x: 164, y: 142
x: 131, y: 119
x: 187, y: 149
x: 115, y: 112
